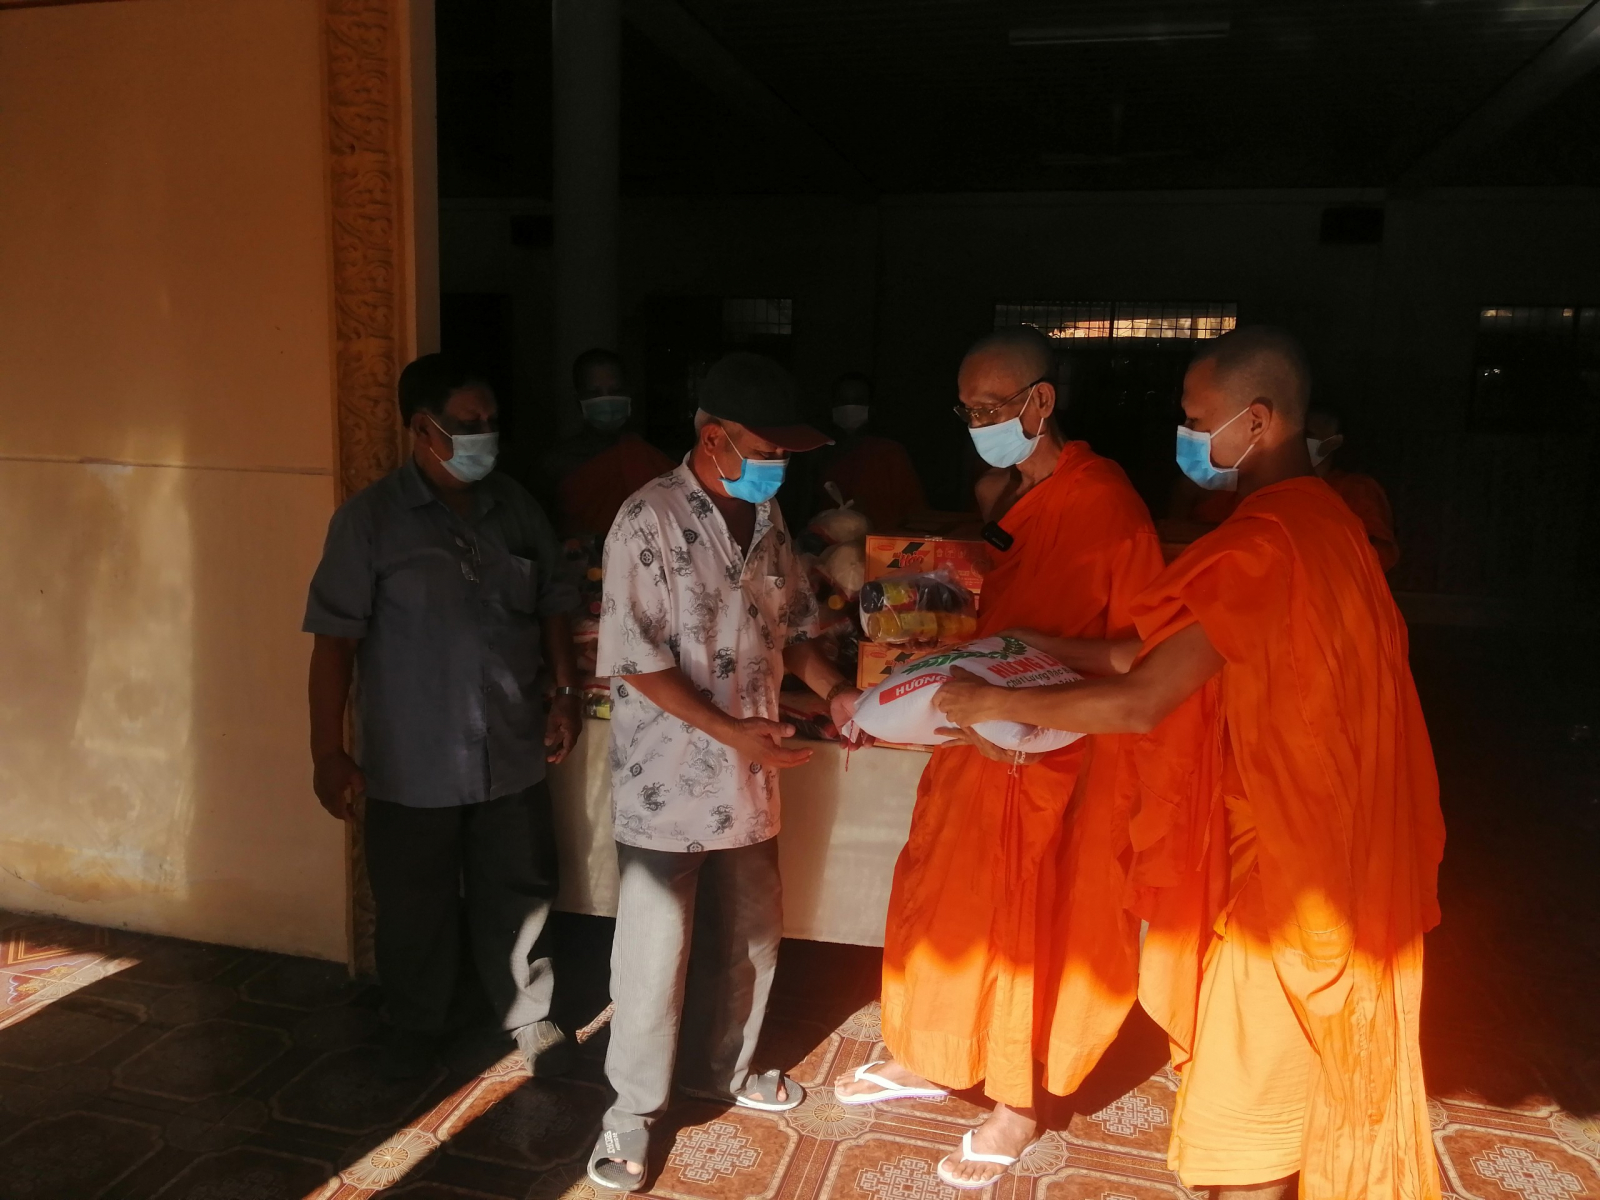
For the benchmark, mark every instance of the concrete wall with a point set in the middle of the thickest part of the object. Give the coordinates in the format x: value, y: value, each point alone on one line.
x: 166, y: 454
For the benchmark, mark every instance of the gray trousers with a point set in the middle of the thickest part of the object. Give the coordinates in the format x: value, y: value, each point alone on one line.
x: 499, y: 858
x: 691, y: 968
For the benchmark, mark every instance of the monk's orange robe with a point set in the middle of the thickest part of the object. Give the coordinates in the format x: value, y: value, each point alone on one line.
x: 591, y: 494
x: 1289, y: 975
x: 961, y: 940
x: 876, y: 473
x: 1363, y: 493
x: 1368, y: 500
x: 1214, y: 508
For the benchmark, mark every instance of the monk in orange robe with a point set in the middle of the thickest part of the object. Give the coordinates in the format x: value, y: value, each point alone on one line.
x: 1295, y: 1022
x: 872, y: 472
x: 587, y: 478
x: 960, y: 947
x: 1363, y: 493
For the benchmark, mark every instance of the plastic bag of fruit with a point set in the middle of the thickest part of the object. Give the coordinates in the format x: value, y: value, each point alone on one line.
x: 924, y: 609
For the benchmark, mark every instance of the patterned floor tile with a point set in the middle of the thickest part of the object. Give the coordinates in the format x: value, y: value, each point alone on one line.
x: 1495, y: 1165
x: 346, y: 1092
x: 211, y: 1058
x: 73, y: 1156
x: 731, y: 1153
x: 66, y: 1032
x: 527, y: 1123
x: 248, y: 1173
x: 301, y: 983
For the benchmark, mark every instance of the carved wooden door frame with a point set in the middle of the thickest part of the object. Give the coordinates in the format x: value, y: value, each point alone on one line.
x: 382, y: 199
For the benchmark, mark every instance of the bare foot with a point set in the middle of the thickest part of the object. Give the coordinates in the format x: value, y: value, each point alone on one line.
x: 848, y: 1085
x: 783, y: 1094
x: 1008, y: 1131
x: 631, y: 1167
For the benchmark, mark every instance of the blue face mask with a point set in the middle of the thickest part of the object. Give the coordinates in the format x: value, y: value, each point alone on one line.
x: 759, y: 479
x: 472, y: 455
x: 606, y: 413
x: 1194, y: 457
x: 1005, y: 445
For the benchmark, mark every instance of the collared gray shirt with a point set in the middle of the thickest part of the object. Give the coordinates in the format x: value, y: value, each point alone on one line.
x: 447, y: 612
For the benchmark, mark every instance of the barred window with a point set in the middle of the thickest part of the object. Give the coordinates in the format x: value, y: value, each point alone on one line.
x: 1557, y: 322
x: 747, y: 317
x: 1536, y: 369
x: 1174, y: 320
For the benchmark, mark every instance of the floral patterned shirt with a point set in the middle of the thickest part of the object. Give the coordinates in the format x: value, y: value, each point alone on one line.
x: 679, y: 592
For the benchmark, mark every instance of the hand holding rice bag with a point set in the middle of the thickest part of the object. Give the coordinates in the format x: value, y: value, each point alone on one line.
x: 900, y: 709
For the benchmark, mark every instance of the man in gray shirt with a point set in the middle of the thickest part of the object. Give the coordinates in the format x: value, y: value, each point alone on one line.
x: 443, y: 583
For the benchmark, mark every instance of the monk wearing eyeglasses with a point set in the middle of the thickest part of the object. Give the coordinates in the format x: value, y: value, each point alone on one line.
x: 1287, y: 820
x: 978, y: 886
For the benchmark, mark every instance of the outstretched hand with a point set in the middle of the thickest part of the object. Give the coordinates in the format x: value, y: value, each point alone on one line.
x: 761, y: 740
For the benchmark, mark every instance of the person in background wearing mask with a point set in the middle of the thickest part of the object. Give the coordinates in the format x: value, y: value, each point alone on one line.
x: 706, y: 606
x: 442, y: 582
x: 873, y: 471
x: 1205, y: 509
x: 1363, y: 493
x: 1288, y: 806
x: 1006, y: 938
x: 595, y: 470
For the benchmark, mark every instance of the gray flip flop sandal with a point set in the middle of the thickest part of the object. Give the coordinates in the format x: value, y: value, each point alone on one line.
x: 761, y: 1092
x: 611, y: 1154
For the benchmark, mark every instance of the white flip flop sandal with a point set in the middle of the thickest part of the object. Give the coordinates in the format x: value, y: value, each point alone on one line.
x: 888, y: 1089
x: 967, y: 1155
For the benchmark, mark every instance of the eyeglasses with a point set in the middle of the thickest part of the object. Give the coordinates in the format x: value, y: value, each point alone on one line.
x: 974, y: 417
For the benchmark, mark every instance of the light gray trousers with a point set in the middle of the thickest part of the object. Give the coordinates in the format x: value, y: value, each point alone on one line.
x: 691, y: 968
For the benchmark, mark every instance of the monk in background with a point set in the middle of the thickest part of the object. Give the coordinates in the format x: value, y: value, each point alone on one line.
x: 872, y: 471
x: 962, y: 937
x: 1294, y: 1012
x: 1363, y: 493
x: 588, y: 476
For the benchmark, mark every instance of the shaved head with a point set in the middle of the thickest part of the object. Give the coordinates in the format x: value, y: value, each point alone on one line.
x: 1021, y: 348
x: 1260, y: 362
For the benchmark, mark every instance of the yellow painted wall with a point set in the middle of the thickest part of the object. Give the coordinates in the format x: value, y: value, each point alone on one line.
x: 166, y: 455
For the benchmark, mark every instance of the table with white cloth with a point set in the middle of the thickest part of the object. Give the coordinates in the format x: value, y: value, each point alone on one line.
x: 845, y: 817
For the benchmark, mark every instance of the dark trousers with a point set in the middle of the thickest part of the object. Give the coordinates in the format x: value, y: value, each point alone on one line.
x: 499, y: 859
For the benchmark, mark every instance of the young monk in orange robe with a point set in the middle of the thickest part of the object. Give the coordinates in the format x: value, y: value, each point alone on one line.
x: 1296, y: 1022
x: 1364, y: 494
x: 960, y: 944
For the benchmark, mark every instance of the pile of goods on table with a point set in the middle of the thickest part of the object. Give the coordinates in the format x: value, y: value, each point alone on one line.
x: 583, y: 557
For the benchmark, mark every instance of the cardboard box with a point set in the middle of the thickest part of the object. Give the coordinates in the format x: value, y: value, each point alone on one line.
x: 968, y: 559
x: 877, y: 660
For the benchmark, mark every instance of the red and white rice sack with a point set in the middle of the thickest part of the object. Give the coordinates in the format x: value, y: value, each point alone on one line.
x: 900, y: 709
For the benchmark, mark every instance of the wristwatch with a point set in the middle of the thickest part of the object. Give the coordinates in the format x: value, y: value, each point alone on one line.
x: 569, y: 691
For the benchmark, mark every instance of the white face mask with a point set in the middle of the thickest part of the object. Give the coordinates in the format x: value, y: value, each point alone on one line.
x: 472, y: 455
x: 849, y: 417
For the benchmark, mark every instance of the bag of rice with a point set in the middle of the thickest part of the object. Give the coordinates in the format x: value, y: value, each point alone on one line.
x: 900, y: 709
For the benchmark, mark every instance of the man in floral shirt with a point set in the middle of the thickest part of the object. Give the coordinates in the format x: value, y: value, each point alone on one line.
x: 706, y: 607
